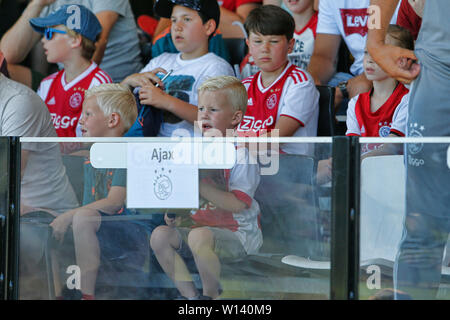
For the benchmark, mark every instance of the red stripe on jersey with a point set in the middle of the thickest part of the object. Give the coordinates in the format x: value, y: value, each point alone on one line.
x: 301, y: 73
x: 352, y: 135
x: 397, y: 132
x: 299, y: 121
x: 107, y: 77
x: 242, y: 196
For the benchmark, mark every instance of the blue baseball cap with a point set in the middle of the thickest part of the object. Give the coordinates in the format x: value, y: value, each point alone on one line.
x: 75, y: 17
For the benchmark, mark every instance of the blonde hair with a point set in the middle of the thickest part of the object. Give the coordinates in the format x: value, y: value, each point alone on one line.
x: 87, y: 46
x: 114, y: 97
x: 232, y: 86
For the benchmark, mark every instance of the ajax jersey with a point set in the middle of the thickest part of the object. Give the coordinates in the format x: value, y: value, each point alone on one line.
x: 65, y: 100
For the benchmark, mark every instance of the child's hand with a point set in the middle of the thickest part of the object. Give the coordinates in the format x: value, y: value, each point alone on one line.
x: 169, y: 221
x: 324, y: 171
x: 144, y: 79
x: 60, y: 225
x: 153, y: 96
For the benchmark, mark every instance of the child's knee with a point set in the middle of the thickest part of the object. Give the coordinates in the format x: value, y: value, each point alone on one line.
x: 200, y: 238
x: 84, y: 217
x: 161, y: 237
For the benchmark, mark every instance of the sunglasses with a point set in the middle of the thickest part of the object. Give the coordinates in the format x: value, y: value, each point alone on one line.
x: 48, y: 33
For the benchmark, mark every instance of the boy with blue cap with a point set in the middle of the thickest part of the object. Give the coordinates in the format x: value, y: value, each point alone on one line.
x: 69, y: 38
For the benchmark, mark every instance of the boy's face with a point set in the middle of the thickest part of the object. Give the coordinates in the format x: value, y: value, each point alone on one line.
x: 298, y: 6
x: 372, y: 71
x: 93, y: 122
x: 270, y: 51
x: 189, y: 34
x: 58, y: 47
x: 216, y: 114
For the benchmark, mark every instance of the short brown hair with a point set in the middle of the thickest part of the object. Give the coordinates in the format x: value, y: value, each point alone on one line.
x: 402, y: 37
x: 270, y: 20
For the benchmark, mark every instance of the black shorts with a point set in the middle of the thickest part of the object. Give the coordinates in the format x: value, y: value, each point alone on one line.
x: 123, y: 240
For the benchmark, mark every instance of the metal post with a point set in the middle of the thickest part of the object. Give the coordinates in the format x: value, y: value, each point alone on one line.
x: 344, y: 275
x: 12, y: 221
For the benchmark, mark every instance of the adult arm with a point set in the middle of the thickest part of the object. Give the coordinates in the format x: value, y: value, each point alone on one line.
x: 222, y: 199
x: 397, y: 62
x: 227, y: 17
x: 323, y: 62
x: 107, y: 20
x: 20, y: 39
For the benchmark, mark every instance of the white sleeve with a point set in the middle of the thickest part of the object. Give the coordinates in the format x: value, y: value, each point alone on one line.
x: 327, y: 17
x: 216, y: 69
x: 352, y: 123
x: 400, y: 116
x: 44, y: 88
x: 301, y: 101
x: 244, y: 177
x: 152, y: 64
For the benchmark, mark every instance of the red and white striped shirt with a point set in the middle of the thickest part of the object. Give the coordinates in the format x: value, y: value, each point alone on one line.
x: 65, y: 100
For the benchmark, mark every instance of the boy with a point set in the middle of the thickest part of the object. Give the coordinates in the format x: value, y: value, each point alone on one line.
x: 226, y: 226
x: 193, y: 22
x: 109, y: 110
x: 72, y: 45
x: 305, y: 32
x: 281, y: 96
x: 381, y: 112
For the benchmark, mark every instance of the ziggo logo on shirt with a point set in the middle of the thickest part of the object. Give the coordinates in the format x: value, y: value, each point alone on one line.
x: 63, y: 122
x: 249, y: 124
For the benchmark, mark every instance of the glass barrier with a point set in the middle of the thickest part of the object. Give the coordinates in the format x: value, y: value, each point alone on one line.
x: 404, y: 218
x: 4, y: 181
x: 164, y: 219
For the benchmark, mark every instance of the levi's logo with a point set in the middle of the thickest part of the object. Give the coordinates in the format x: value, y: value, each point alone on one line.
x: 355, y: 21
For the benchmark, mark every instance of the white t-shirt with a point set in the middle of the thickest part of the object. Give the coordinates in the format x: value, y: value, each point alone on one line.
x: 24, y: 114
x: 186, y: 78
x: 349, y: 19
x: 242, y: 180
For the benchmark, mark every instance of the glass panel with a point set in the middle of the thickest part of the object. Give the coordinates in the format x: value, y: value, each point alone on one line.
x: 405, y: 201
x: 3, y: 174
x: 275, y: 246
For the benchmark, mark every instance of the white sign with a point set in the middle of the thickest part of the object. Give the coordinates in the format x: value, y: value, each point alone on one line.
x: 157, y: 177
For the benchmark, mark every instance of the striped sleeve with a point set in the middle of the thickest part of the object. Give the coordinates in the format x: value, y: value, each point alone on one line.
x: 300, y: 100
x: 353, y: 128
x: 400, y: 116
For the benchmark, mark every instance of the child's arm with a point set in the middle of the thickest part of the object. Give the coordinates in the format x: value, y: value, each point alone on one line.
x: 151, y: 95
x: 111, y: 205
x: 222, y: 199
x: 144, y: 79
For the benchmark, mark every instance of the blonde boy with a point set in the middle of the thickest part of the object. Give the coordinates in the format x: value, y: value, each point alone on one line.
x: 109, y: 110
x: 226, y: 226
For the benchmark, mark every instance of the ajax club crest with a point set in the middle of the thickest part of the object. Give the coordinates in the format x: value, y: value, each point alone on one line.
x: 162, y: 185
